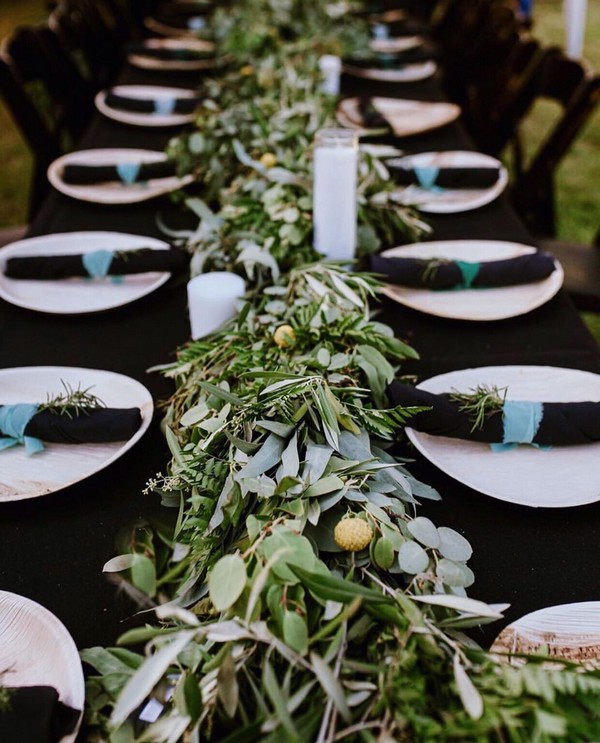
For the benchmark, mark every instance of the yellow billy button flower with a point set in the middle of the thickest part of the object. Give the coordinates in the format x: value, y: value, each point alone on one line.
x: 246, y: 70
x: 352, y: 534
x: 268, y: 159
x: 284, y: 336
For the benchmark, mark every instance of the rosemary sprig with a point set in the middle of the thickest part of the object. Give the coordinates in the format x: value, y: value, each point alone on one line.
x: 5, y: 695
x: 72, y: 402
x: 431, y: 268
x: 481, y: 404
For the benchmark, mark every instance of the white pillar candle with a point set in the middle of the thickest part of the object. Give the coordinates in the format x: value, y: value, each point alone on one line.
x: 334, y: 193
x: 331, y: 68
x: 213, y: 298
x: 575, y: 21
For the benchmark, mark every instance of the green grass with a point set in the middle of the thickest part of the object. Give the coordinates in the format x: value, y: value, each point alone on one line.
x: 14, y: 155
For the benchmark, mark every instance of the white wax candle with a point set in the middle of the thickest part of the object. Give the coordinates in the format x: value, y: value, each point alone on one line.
x: 575, y: 22
x: 213, y: 298
x: 331, y: 67
x: 334, y: 201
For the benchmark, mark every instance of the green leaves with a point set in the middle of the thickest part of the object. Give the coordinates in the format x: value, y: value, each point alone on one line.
x: 295, y: 632
x: 226, y: 581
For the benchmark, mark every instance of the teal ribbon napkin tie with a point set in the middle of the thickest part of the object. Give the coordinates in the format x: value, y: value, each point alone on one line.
x: 97, y: 263
x: 469, y: 273
x: 128, y: 172
x: 427, y: 176
x: 164, y: 106
x: 196, y: 24
x: 521, y: 421
x: 13, y: 422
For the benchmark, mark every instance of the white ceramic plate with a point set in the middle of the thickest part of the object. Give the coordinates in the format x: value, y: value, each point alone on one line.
x: 74, y: 296
x: 561, y: 477
x: 473, y: 304
x: 410, y: 73
x: 145, y: 92
x: 568, y: 631
x: 406, y: 117
x: 451, y: 201
x: 138, y: 59
x: 114, y: 192
x: 61, y: 465
x: 37, y: 650
x: 158, y: 27
x: 395, y: 44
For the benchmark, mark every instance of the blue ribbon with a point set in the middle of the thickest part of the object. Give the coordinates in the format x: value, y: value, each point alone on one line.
x: 97, y: 263
x: 380, y: 31
x: 469, y: 273
x: 164, y: 106
x: 521, y: 420
x: 128, y: 172
x: 196, y: 24
x: 13, y: 422
x: 427, y: 176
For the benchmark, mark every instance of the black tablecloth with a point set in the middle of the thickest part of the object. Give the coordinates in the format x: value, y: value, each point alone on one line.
x: 52, y: 548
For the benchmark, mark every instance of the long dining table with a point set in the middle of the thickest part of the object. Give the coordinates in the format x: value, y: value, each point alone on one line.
x: 53, y: 548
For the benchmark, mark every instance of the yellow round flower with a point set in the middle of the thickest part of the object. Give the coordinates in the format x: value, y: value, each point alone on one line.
x: 246, y: 70
x: 284, y: 336
x: 268, y: 159
x: 352, y: 534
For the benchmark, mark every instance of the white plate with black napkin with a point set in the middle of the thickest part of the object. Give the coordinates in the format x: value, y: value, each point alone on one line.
x: 75, y: 294
x: 560, y: 477
x: 37, y: 656
x: 477, y: 304
x: 126, y: 415
x: 408, y: 73
x: 404, y: 117
x: 128, y: 186
x: 396, y: 44
x: 183, y: 55
x: 148, y: 105
x: 448, y: 200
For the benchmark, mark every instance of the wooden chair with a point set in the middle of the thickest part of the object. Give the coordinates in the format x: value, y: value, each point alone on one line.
x: 577, y: 90
x: 581, y: 264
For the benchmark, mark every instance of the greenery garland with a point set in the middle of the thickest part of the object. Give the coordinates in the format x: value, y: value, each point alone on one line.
x: 300, y: 596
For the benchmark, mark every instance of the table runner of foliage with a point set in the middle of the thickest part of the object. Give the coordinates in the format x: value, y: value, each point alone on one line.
x: 300, y: 596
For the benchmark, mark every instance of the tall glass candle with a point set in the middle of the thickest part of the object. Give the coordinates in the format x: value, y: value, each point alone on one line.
x: 334, y: 193
x: 331, y: 69
x: 213, y: 298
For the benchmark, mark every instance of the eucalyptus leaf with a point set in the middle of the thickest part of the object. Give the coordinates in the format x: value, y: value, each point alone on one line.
x: 412, y: 558
x: 331, y: 686
x: 226, y: 581
x: 424, y: 531
x: 453, y: 545
x: 454, y: 573
x: 470, y: 697
x: 295, y: 632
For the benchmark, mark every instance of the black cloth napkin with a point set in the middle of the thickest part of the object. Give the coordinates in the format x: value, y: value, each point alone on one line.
x: 88, y: 174
x: 35, y: 715
x: 391, y: 60
x: 51, y: 267
x: 420, y: 273
x: 164, y: 53
x: 148, y: 105
x: 458, y: 178
x: 563, y: 423
x: 96, y: 426
x: 371, y: 117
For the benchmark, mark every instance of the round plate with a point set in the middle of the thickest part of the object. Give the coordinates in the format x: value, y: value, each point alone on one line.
x: 37, y: 650
x: 72, y: 296
x: 568, y: 631
x: 473, y: 304
x: 451, y: 201
x: 113, y: 193
x: 395, y: 44
x: 144, y: 92
x: 146, y: 62
x: 410, y: 73
x: 61, y: 465
x: 158, y: 27
x: 561, y: 477
x: 406, y: 117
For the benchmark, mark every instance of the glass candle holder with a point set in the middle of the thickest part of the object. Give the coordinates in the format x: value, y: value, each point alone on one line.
x: 334, y: 192
x: 331, y: 69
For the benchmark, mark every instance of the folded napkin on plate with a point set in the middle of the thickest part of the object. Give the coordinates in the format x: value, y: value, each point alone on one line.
x: 454, y: 178
x: 395, y: 28
x: 195, y: 22
x: 125, y: 172
x: 436, y: 273
x: 35, y: 715
x: 163, y: 105
x: 371, y: 117
x: 166, y: 53
x: 520, y: 422
x: 391, y: 60
x: 98, y: 263
x: 26, y: 424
